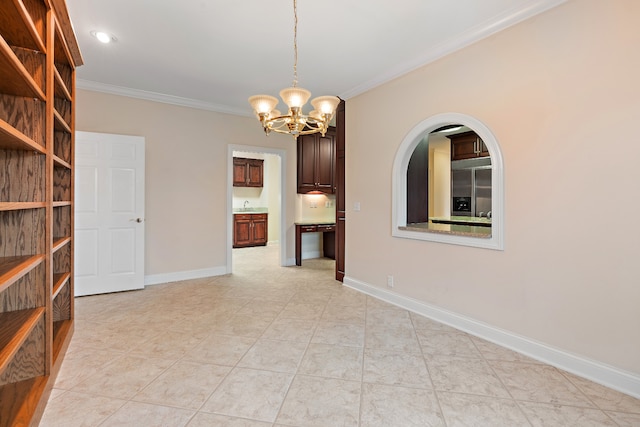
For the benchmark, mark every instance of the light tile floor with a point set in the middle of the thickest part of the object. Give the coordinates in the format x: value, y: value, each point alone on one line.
x: 272, y: 346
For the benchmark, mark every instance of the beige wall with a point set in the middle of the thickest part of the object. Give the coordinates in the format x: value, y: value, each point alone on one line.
x: 186, y: 175
x: 561, y: 94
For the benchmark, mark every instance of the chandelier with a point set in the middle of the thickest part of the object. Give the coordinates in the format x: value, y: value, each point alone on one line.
x: 295, y: 122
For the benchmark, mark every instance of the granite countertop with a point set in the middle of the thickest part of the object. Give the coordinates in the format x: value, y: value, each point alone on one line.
x: 462, y: 220
x: 455, y: 229
x: 250, y: 210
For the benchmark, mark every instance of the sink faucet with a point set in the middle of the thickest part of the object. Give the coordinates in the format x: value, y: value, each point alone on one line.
x: 246, y: 202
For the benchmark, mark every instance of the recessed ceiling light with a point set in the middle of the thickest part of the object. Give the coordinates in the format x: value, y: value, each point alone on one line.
x: 448, y: 128
x: 104, y: 37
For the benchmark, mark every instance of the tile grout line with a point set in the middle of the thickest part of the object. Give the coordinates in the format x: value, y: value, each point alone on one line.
x: 513, y: 399
x: 424, y: 360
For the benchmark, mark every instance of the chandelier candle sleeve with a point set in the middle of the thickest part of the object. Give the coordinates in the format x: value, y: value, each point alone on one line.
x: 295, y: 122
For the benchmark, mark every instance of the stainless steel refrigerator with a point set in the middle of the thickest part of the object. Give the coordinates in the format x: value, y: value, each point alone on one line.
x: 471, y: 191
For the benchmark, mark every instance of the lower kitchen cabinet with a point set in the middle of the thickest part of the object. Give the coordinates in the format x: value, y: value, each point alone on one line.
x: 249, y: 230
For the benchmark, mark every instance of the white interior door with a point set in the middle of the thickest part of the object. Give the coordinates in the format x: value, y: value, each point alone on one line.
x: 109, y: 213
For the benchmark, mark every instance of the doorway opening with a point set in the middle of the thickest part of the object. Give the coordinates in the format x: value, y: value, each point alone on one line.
x: 270, y: 198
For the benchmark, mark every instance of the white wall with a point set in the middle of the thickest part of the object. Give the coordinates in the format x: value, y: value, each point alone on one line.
x: 561, y: 93
x: 186, y: 176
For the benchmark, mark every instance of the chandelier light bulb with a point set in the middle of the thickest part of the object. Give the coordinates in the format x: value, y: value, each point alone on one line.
x: 326, y: 104
x: 263, y: 104
x: 295, y: 96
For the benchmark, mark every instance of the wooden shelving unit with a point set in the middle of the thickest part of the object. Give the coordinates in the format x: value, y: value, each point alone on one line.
x: 38, y: 57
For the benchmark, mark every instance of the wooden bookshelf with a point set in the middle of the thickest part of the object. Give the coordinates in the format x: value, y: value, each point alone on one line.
x: 38, y: 57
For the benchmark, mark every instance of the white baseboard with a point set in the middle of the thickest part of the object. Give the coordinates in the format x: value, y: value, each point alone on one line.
x: 156, y: 279
x: 609, y: 376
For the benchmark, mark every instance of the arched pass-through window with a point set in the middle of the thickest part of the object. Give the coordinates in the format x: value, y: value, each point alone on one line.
x: 440, y: 220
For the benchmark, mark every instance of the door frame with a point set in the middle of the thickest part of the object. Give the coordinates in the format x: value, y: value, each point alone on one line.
x: 283, y: 199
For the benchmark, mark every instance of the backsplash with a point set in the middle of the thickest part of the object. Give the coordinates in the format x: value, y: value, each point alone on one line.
x: 316, y: 207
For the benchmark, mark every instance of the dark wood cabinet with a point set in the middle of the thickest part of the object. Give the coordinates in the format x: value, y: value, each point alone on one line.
x: 316, y: 162
x: 341, y: 201
x: 249, y: 230
x: 248, y: 172
x: 467, y: 145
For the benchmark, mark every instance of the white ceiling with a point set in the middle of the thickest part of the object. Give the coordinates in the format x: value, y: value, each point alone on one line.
x: 214, y: 54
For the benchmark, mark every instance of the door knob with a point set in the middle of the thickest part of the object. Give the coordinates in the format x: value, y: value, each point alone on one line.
x: 138, y: 220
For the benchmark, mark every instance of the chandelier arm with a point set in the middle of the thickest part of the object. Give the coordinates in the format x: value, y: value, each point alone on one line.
x: 294, y: 123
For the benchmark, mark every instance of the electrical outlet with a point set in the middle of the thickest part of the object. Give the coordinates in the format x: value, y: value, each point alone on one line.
x: 389, y: 281
x: 356, y: 207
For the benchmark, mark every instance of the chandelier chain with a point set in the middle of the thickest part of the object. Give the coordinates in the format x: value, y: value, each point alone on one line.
x: 295, y: 43
x: 295, y: 122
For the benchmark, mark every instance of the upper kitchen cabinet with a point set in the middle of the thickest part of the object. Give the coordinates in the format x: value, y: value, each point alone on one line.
x: 467, y: 145
x: 248, y: 172
x: 316, y: 162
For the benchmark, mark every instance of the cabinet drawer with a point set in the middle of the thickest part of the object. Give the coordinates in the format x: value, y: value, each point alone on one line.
x: 308, y: 228
x: 331, y: 227
x: 249, y: 217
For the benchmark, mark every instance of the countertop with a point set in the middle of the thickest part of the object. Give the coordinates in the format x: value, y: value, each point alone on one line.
x: 455, y: 229
x: 309, y: 222
x: 462, y: 220
x: 250, y: 210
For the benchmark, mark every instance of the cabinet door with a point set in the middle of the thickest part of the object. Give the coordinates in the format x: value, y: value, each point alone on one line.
x: 463, y: 146
x: 255, y: 169
x: 259, y: 226
x: 306, y: 163
x: 242, y: 231
x: 467, y: 145
x: 484, y: 151
x: 316, y: 163
x: 239, y: 172
x: 325, y: 163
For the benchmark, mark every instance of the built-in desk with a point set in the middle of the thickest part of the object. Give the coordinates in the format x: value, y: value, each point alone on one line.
x: 328, y: 237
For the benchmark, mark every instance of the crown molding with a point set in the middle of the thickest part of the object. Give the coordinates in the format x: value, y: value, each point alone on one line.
x: 482, y: 31
x: 473, y: 35
x: 159, y: 97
